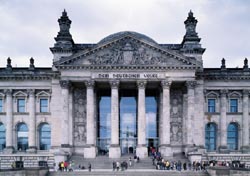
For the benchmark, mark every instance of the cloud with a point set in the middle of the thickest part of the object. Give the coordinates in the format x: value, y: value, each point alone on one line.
x: 28, y: 27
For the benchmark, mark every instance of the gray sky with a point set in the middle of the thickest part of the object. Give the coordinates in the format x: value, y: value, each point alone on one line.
x: 28, y: 27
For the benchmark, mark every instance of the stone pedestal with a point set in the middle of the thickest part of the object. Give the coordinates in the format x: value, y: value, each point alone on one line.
x: 90, y: 152
x: 8, y: 150
x: 245, y: 149
x: 142, y: 151
x: 32, y: 149
x: 114, y: 151
x: 166, y: 151
x: 223, y: 149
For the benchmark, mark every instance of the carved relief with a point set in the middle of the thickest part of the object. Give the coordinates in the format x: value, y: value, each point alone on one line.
x: 134, y: 53
x: 176, y: 102
x: 79, y: 101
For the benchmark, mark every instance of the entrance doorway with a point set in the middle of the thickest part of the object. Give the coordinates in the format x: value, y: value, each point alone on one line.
x: 128, y: 122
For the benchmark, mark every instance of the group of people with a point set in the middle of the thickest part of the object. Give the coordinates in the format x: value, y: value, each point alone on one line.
x: 162, y: 164
x: 117, y: 166
x: 65, y: 166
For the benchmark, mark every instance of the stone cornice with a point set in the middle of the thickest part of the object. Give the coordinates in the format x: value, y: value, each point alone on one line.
x: 125, y: 67
x: 227, y: 74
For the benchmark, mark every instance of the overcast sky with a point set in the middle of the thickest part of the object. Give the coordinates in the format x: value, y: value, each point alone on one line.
x: 28, y: 27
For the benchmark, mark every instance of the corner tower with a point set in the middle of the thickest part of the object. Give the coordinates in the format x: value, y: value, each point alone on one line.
x: 191, y: 46
x: 64, y: 42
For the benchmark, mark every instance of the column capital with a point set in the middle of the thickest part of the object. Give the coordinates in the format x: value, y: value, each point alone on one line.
x: 114, y: 84
x: 90, y: 83
x: 223, y: 92
x: 166, y: 84
x: 65, y: 84
x: 191, y: 84
x: 141, y: 84
x: 8, y: 92
x: 245, y: 92
x: 31, y: 92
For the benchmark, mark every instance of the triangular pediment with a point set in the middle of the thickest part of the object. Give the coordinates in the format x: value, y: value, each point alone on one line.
x: 127, y: 49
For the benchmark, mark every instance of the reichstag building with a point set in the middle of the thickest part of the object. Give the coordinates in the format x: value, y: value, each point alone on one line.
x: 124, y: 95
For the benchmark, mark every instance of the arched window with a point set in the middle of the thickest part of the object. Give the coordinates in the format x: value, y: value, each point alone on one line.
x: 22, y: 136
x: 210, y: 135
x: 45, y: 136
x: 232, y: 136
x: 2, y: 137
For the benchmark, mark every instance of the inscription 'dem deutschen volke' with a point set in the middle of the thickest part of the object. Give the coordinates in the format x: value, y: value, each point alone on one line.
x: 128, y: 75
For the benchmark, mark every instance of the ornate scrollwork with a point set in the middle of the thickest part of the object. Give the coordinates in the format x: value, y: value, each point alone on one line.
x: 141, y: 84
x: 8, y: 92
x: 65, y: 84
x: 166, y: 84
x: 90, y: 83
x: 246, y: 92
x: 223, y: 92
x: 114, y: 84
x: 31, y: 92
x: 191, y: 84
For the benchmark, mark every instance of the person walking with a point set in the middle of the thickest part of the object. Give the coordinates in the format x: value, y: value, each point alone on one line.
x: 130, y: 162
x: 89, y: 167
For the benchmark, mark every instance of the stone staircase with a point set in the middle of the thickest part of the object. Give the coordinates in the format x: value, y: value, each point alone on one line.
x: 102, y: 165
x: 130, y: 172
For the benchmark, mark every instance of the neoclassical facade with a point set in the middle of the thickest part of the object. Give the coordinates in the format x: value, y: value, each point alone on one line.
x: 123, y: 95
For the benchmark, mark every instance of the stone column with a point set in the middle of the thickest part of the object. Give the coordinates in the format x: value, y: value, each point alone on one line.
x: 114, y: 150
x: 245, y: 122
x: 9, y: 122
x: 141, y: 149
x: 65, y: 85
x: 32, y: 122
x: 90, y: 150
x: 190, y: 112
x: 223, y: 121
x: 165, y: 147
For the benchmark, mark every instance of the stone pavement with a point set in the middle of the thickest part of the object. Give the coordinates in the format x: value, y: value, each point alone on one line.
x: 129, y: 172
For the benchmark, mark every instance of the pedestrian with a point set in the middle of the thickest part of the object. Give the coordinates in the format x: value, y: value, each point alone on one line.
x: 114, y: 165
x: 130, y: 162
x: 117, y: 165
x: 89, y: 167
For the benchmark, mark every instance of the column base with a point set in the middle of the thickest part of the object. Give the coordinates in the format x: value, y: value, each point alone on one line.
x: 8, y: 150
x: 166, y: 151
x: 90, y: 152
x: 142, y: 151
x: 245, y: 149
x: 32, y: 149
x: 223, y: 149
x: 114, y: 151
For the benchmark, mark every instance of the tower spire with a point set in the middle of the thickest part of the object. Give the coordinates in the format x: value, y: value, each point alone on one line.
x: 191, y: 42
x: 64, y: 42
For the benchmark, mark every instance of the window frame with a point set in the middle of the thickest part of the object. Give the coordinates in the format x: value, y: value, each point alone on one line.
x: 207, y: 145
x: 235, y: 137
x: 19, y: 107
x: 233, y: 108
x: 41, y: 107
x: 209, y: 106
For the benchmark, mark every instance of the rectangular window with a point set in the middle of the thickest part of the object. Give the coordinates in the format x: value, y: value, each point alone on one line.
x: 211, y: 105
x: 233, y: 105
x: 43, y: 105
x: 1, y: 105
x: 20, y: 105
